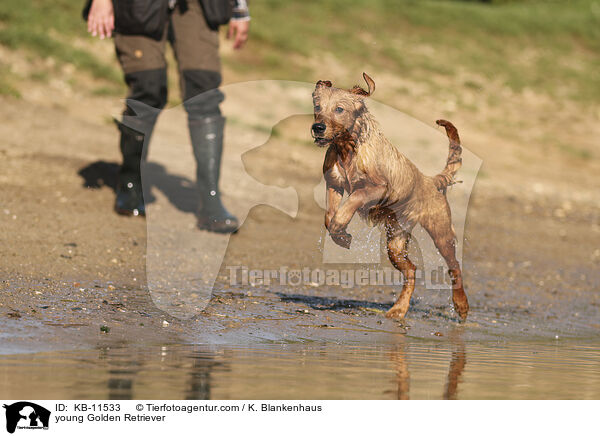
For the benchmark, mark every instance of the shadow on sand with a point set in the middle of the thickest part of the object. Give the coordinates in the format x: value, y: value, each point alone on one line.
x: 180, y: 191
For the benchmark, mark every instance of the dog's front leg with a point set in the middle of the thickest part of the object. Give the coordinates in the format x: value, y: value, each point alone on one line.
x: 334, y: 198
x: 343, y: 216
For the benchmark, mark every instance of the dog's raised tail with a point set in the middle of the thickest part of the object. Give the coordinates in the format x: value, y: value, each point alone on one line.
x: 454, y: 162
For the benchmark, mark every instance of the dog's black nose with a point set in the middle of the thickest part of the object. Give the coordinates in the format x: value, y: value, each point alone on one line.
x: 319, y: 128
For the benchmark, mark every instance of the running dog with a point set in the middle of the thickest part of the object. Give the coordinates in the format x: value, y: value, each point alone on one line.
x: 383, y: 186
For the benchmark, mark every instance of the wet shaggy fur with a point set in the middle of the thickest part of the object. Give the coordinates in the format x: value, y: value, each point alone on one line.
x: 383, y: 186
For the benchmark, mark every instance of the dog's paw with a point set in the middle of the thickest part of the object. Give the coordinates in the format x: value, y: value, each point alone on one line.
x: 396, y: 312
x: 462, y: 311
x: 335, y: 227
x: 461, y: 306
x: 343, y: 239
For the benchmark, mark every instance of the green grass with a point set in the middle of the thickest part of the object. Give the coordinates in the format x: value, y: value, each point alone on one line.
x: 26, y: 24
x: 109, y: 91
x: 547, y: 46
x: 573, y: 150
x: 7, y: 81
x: 568, y: 149
x: 6, y: 85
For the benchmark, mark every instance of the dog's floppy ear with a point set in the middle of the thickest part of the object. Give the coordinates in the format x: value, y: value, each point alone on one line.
x: 323, y: 83
x: 359, y: 91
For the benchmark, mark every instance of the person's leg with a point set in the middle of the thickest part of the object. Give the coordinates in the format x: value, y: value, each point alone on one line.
x: 143, y: 63
x: 196, y: 49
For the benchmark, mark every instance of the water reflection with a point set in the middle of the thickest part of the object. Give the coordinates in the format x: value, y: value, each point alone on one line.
x: 409, y: 369
x: 199, y: 376
x: 457, y: 365
x: 458, y: 362
x: 402, y: 374
x: 128, y: 368
x: 121, y: 373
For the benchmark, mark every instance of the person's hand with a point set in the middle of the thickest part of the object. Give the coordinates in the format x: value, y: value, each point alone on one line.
x: 238, y: 29
x: 101, y: 19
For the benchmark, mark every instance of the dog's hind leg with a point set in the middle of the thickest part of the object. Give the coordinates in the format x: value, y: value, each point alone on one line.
x: 397, y: 248
x: 443, y: 238
x: 459, y: 298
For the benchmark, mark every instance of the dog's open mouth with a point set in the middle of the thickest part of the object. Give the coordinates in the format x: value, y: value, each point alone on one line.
x: 322, y: 142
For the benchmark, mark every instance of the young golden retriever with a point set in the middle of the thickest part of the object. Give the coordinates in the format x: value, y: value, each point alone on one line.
x: 383, y: 186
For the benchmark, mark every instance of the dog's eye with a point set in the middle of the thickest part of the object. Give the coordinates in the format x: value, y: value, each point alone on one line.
x: 317, y: 108
x: 339, y: 110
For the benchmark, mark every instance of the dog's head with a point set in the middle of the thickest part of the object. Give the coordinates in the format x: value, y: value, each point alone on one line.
x: 336, y: 110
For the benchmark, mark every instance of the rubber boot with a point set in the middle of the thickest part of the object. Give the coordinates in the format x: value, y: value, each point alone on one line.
x: 207, y: 142
x: 130, y: 199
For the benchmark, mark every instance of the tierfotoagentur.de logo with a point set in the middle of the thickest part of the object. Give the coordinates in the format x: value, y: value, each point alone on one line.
x: 24, y: 415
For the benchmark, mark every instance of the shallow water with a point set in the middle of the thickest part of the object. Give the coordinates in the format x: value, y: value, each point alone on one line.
x: 412, y: 369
